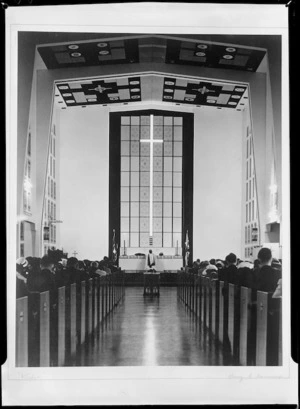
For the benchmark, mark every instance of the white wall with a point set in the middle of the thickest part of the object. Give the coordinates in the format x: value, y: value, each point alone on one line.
x: 217, y: 183
x: 84, y: 178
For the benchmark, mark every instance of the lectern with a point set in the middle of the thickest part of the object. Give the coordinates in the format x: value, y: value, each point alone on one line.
x: 151, y: 283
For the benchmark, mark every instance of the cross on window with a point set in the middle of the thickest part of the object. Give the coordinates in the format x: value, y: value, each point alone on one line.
x: 151, y: 141
x: 75, y: 253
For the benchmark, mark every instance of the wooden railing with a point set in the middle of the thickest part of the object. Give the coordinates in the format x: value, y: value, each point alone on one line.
x: 246, y: 323
x: 51, y: 327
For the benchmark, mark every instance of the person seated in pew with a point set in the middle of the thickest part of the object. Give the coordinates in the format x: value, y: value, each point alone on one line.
x: 42, y: 279
x: 101, y: 269
x: 229, y: 273
x: 202, y: 268
x: 245, y: 276
x: 266, y: 277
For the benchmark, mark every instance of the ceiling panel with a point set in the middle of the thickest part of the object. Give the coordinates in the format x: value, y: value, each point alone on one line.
x: 100, y: 91
x: 213, y: 55
x: 81, y: 54
x: 203, y: 93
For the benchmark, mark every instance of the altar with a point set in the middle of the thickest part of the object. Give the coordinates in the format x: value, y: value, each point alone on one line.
x: 138, y: 263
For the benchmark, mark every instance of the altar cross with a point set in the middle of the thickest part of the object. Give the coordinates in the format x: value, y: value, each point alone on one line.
x: 151, y: 141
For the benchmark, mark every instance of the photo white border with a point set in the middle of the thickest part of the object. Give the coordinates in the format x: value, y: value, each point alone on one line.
x: 145, y: 385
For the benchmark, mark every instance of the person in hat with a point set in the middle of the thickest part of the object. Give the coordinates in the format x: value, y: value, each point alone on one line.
x: 21, y: 283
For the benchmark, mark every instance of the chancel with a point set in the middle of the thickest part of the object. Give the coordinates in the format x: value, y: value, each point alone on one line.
x: 137, y: 155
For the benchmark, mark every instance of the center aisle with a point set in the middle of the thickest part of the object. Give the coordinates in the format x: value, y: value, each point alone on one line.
x: 151, y: 331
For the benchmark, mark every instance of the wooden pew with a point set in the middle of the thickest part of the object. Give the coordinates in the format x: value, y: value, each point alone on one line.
x: 245, y: 316
x: 221, y: 311
x: 83, y: 313
x: 22, y: 332
x: 61, y: 326
x: 73, y: 330
x: 45, y: 329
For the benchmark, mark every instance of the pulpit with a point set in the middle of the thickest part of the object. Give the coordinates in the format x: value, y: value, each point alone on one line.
x: 151, y: 283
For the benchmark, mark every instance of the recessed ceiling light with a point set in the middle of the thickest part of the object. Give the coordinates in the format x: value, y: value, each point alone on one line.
x: 202, y: 46
x: 91, y: 99
x: 114, y: 98
x: 211, y: 101
x: 135, y: 89
x: 232, y: 103
x: 169, y: 82
x: 73, y: 47
x: 230, y: 49
x: 63, y: 87
x: 189, y: 99
x: 134, y: 82
x: 101, y: 45
x: 200, y: 54
x: 68, y: 94
x: 76, y: 54
x: 135, y: 97
x: 104, y: 52
x: 228, y: 57
x: 169, y: 90
x: 168, y: 97
x: 235, y: 96
x: 240, y: 89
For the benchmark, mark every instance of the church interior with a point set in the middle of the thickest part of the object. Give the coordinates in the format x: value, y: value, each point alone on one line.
x: 149, y: 167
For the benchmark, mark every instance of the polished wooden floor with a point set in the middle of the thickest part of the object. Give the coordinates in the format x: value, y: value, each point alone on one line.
x: 150, y: 331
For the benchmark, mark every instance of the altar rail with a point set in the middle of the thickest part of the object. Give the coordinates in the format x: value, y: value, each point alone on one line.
x: 51, y: 327
x: 246, y: 323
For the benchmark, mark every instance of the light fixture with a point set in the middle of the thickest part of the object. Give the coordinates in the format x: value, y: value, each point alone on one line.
x: 92, y: 99
x: 134, y: 82
x: 211, y: 101
x: 228, y: 57
x: 135, y: 90
x: 235, y: 96
x: 168, y: 97
x: 169, y: 83
x: 68, y: 94
x: 73, y: 47
x: 70, y: 101
x: 230, y: 49
x: 273, y: 188
x: 101, y: 45
x: 169, y: 90
x: 135, y: 97
x: 63, y: 87
x: 240, y: 90
x: 200, y: 54
x: 76, y: 55
x: 104, y: 52
x: 113, y: 98
x: 232, y: 103
x: 189, y: 99
x: 27, y: 185
x: 202, y: 46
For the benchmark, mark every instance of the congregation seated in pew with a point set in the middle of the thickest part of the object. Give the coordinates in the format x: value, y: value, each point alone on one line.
x: 34, y: 274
